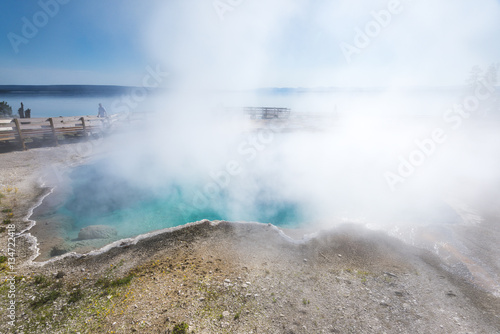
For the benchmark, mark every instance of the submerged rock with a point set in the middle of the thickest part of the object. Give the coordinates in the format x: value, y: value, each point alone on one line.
x: 60, y: 249
x: 97, y: 232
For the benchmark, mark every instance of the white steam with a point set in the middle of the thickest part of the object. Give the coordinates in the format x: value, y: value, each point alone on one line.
x: 377, y: 162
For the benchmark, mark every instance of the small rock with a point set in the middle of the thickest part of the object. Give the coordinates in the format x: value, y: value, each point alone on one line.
x: 227, y: 280
x: 225, y: 314
x: 248, y: 283
x: 60, y: 274
x: 339, y: 255
x: 305, y: 260
x: 244, y: 285
x: 398, y: 293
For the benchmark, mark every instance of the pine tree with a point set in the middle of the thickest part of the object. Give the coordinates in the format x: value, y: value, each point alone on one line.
x: 480, y: 79
x: 5, y: 109
x: 491, y: 74
x: 475, y: 75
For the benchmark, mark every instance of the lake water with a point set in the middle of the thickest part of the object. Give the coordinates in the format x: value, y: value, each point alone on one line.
x: 55, y: 106
x: 426, y: 103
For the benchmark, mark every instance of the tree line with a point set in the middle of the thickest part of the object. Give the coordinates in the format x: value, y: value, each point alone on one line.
x: 6, y: 111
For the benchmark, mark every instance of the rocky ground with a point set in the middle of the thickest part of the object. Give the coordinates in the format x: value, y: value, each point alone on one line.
x: 247, y: 278
x: 220, y: 277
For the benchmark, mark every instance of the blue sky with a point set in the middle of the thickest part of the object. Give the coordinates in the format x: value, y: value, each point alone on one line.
x: 84, y: 42
x: 245, y: 44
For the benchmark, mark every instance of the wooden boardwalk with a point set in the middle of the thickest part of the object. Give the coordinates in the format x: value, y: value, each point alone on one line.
x: 267, y: 112
x: 33, y: 132
x: 53, y: 129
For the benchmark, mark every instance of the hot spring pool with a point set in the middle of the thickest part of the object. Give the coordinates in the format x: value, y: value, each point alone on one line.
x: 138, y: 197
x: 97, y: 196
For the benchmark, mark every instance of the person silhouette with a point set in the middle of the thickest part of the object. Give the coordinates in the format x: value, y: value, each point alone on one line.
x: 21, y: 111
x: 101, y: 111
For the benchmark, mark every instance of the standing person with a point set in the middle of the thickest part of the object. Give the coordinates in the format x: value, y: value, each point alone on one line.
x: 27, y: 113
x: 21, y: 111
x: 101, y: 111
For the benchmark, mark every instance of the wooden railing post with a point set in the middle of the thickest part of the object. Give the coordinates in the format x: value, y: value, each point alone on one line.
x: 84, y: 126
x: 20, y: 134
x: 54, y: 135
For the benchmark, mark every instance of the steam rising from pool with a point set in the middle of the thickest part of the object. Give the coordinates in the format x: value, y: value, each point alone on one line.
x: 391, y: 157
x: 200, y: 164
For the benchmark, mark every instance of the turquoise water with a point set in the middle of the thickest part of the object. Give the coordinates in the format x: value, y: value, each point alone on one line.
x: 101, y: 198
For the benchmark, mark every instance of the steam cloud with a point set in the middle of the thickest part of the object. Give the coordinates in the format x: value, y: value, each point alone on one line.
x: 343, y: 172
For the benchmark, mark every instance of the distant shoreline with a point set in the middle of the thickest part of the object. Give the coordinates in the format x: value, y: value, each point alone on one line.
x: 110, y: 90
x: 64, y: 90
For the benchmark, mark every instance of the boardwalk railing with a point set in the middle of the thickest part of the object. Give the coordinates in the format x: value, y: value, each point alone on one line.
x: 21, y: 129
x: 267, y: 112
